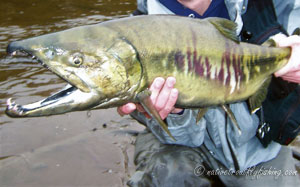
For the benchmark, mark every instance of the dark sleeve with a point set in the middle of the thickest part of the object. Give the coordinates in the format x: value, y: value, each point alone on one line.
x: 282, y: 105
x: 260, y: 22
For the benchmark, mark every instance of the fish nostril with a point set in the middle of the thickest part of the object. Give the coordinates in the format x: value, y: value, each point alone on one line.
x: 50, y: 54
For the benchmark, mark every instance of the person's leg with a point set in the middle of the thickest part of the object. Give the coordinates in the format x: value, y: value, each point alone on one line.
x: 165, y: 165
x: 280, y: 171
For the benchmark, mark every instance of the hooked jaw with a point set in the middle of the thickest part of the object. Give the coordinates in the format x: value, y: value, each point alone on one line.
x: 91, y: 85
x: 66, y: 100
x: 13, y: 109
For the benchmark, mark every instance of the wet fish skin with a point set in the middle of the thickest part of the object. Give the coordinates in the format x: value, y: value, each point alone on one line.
x: 112, y: 62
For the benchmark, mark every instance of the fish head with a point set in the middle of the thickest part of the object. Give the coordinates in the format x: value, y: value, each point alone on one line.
x: 104, y: 71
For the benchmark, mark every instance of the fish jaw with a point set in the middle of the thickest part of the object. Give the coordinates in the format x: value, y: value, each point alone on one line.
x: 70, y: 98
x: 67, y: 100
x: 104, y: 77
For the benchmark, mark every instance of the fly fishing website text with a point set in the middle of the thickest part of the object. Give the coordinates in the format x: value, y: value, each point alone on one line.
x: 254, y: 172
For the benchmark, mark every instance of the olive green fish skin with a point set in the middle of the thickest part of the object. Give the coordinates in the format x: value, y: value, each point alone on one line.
x: 116, y: 60
x: 210, y: 69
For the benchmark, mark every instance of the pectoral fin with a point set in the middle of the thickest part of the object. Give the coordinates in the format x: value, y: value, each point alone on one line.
x: 144, y: 98
x: 232, y: 117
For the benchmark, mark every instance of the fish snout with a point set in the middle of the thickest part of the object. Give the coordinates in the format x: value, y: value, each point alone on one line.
x: 15, y: 49
x: 12, y: 47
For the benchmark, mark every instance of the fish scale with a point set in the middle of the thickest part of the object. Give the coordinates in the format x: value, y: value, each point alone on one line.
x: 114, y: 62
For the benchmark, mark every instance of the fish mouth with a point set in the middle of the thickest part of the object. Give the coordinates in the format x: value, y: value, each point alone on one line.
x: 68, y: 99
x: 18, y: 51
x: 16, y: 110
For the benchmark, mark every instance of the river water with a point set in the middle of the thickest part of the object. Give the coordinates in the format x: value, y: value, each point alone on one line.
x: 90, y: 148
x: 24, y: 80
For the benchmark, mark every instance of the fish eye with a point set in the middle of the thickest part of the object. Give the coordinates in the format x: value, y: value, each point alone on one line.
x: 77, y: 61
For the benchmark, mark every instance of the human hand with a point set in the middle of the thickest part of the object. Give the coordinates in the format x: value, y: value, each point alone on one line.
x: 291, y: 71
x: 163, y: 96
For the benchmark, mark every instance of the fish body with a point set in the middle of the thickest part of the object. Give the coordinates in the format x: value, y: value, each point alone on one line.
x: 111, y: 63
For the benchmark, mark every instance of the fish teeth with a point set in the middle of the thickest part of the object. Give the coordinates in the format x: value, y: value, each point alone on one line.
x: 10, y: 104
x: 15, y: 107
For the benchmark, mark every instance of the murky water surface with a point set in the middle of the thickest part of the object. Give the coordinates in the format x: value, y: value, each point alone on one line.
x: 23, y: 79
x: 74, y: 149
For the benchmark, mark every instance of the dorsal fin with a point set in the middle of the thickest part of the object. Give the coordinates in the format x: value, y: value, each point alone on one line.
x: 226, y: 27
